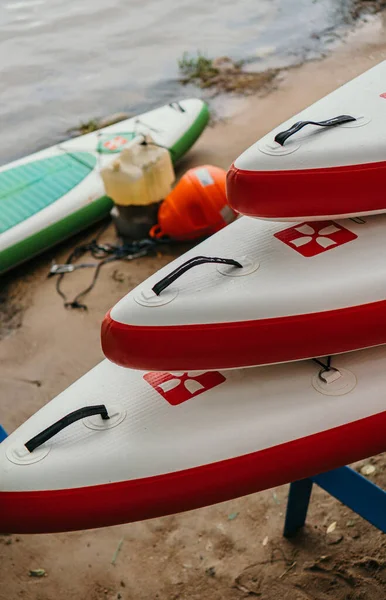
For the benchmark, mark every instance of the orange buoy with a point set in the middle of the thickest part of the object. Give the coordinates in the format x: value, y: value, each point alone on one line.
x: 196, y: 207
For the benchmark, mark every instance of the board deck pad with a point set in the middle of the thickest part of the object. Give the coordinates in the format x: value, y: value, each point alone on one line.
x: 27, y: 189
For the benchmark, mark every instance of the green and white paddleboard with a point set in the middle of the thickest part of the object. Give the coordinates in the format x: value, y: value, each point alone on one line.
x: 48, y: 196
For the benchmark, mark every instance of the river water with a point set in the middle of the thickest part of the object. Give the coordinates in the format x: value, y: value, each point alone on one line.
x: 64, y: 61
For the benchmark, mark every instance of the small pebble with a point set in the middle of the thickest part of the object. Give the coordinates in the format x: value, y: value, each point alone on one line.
x: 37, y: 573
x: 331, y: 527
x: 368, y: 470
x: 233, y: 516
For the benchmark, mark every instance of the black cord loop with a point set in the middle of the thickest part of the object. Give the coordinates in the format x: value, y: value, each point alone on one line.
x: 326, y: 367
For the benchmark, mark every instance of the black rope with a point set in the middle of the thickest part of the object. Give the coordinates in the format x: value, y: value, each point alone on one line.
x: 105, y: 253
x: 75, y: 302
x: 193, y: 262
x: 77, y: 253
x: 72, y: 417
x: 281, y: 137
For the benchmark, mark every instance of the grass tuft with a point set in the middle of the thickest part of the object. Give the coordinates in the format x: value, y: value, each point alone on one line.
x: 222, y: 74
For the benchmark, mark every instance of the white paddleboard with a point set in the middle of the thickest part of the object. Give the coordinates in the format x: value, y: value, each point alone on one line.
x: 319, y: 172
x: 177, y: 441
x: 304, y: 290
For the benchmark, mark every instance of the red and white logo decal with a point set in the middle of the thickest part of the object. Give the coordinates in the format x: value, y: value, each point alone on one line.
x: 180, y: 387
x: 311, y: 239
x: 115, y: 143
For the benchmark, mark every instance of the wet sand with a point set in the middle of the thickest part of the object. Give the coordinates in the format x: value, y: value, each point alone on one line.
x: 203, y: 553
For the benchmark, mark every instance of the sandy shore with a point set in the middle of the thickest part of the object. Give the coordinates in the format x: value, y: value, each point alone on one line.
x: 204, y: 553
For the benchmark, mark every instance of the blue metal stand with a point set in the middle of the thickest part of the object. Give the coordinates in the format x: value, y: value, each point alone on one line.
x: 3, y: 433
x: 349, y: 487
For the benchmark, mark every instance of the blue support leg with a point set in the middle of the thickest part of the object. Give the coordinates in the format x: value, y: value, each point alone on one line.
x: 297, y: 506
x: 358, y: 493
x: 346, y: 485
x: 3, y: 433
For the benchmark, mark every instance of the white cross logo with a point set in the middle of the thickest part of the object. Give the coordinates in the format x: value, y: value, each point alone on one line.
x: 308, y: 234
x: 192, y: 385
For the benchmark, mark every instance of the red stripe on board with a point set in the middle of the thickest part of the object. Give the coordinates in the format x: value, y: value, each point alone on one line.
x: 246, y: 343
x: 111, y: 504
x: 307, y: 192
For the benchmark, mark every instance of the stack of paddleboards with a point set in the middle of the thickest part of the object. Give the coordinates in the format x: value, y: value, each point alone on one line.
x: 174, y: 420
x: 51, y: 195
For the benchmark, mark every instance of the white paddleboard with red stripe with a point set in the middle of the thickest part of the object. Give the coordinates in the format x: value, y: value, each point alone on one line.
x: 319, y: 172
x: 177, y: 441
x: 304, y: 290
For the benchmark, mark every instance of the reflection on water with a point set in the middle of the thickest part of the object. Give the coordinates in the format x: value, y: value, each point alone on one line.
x: 62, y: 62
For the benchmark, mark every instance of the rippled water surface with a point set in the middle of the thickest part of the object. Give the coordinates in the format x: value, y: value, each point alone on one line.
x: 64, y: 61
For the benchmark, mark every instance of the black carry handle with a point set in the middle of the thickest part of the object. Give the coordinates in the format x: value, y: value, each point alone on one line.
x: 281, y: 137
x: 76, y: 415
x: 193, y: 262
